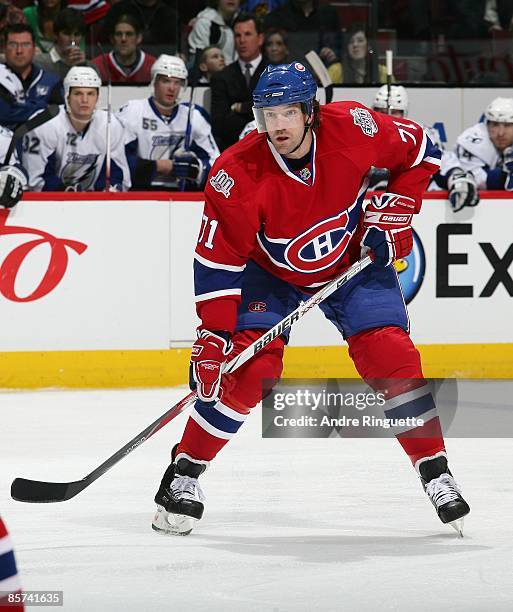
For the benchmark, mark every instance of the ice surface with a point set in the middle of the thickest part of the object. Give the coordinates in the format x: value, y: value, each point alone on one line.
x: 290, y: 524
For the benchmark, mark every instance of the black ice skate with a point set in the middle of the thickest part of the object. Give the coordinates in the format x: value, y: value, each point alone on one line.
x: 179, y: 498
x: 442, y: 490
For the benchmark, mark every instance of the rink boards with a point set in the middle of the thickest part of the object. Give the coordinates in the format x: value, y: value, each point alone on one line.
x: 97, y: 290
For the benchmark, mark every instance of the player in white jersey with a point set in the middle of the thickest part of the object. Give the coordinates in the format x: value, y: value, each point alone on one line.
x: 452, y: 176
x: 486, y: 148
x: 68, y: 152
x: 13, y: 178
x: 168, y: 146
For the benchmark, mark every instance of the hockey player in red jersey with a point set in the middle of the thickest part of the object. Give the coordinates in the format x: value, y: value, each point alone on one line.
x: 283, y: 215
x: 10, y: 589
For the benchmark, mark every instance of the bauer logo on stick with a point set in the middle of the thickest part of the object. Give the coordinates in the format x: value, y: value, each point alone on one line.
x: 365, y: 120
x: 222, y: 182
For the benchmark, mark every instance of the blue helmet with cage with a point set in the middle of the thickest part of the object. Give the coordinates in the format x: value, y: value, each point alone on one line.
x: 285, y: 84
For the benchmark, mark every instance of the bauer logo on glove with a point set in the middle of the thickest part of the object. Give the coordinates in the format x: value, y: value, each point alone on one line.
x: 388, y: 233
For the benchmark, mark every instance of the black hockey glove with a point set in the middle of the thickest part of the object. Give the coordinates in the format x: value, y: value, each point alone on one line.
x: 12, y: 182
x: 462, y: 189
x: 186, y: 165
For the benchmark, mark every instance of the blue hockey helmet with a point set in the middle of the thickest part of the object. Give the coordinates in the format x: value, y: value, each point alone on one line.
x: 284, y: 84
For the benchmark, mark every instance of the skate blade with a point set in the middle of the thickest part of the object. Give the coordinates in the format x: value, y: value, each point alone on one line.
x: 171, y: 524
x: 457, y: 526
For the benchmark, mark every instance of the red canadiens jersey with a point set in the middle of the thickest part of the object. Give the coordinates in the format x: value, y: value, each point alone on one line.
x: 140, y: 73
x: 302, y: 226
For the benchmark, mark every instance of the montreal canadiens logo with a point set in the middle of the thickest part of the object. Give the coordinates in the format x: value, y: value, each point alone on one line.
x: 320, y: 246
x: 411, y: 269
x: 257, y: 307
x: 299, y: 67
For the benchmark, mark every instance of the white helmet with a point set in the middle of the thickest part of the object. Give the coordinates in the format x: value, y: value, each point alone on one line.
x: 80, y: 76
x: 170, y: 66
x: 398, y: 98
x: 500, y: 110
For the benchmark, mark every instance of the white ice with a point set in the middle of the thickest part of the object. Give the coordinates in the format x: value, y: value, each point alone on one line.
x: 290, y: 524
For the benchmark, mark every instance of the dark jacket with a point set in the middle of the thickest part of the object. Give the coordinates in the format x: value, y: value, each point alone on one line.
x: 228, y: 86
x: 320, y: 29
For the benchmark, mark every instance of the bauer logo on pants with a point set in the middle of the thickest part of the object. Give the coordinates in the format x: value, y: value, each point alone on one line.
x: 222, y: 182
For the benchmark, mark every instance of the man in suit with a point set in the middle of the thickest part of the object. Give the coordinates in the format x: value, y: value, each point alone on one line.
x: 231, y: 106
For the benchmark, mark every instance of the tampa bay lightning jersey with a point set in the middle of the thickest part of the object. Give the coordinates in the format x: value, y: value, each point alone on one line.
x: 476, y: 153
x: 151, y: 136
x: 58, y: 158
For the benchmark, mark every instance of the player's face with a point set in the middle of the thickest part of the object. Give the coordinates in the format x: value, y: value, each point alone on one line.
x: 285, y: 125
x: 125, y: 39
x: 501, y: 134
x: 357, y: 47
x: 82, y: 102
x: 19, y: 51
x: 248, y: 41
x: 167, y: 90
x: 276, y: 49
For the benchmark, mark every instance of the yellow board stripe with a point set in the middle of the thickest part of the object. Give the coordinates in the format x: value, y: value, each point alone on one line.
x: 97, y: 369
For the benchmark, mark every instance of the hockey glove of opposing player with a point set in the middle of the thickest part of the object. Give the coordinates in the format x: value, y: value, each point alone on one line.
x: 507, y: 167
x: 388, y: 232
x: 187, y: 165
x: 462, y: 189
x: 12, y: 182
x: 208, y: 357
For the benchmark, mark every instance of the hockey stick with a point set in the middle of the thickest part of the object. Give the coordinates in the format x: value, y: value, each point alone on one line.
x: 188, y: 130
x: 31, y: 124
x: 389, y: 63
x: 321, y: 73
x: 109, y: 117
x: 36, y: 491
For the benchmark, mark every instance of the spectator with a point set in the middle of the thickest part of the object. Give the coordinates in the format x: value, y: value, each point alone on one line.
x: 92, y: 11
x: 41, y: 19
x: 67, y: 153
x: 24, y: 87
x: 356, y: 62
x: 232, y: 87
x: 160, y: 25
x: 310, y: 26
x: 9, y: 15
x: 126, y: 63
x: 213, y: 27
x: 168, y: 147
x: 69, y: 29
x: 211, y: 61
x: 276, y: 46
x: 486, y: 148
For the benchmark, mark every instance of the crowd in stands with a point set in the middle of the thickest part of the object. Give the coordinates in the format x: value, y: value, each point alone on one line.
x: 225, y: 45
